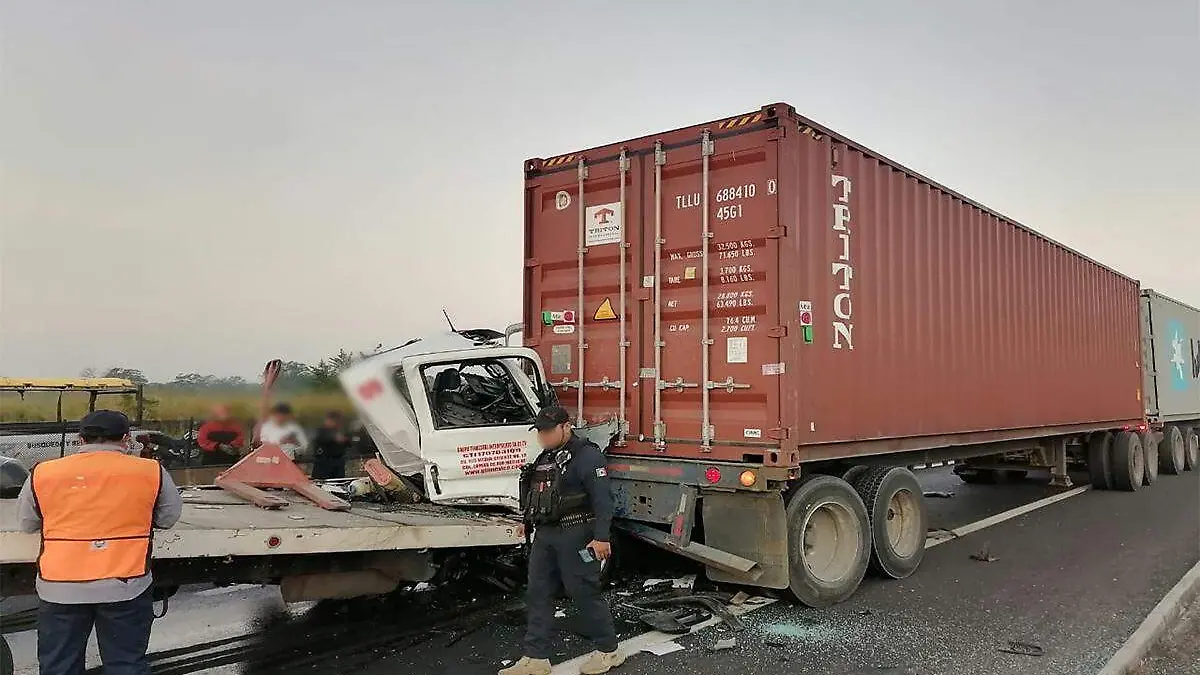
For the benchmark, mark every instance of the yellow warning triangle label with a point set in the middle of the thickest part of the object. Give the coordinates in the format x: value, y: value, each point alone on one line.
x: 605, y: 311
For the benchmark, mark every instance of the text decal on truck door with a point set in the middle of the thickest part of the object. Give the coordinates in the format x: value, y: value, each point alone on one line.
x: 843, y: 309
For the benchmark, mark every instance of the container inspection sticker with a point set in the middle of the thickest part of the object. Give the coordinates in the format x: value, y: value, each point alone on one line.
x: 751, y: 433
x: 564, y: 329
x: 602, y: 224
x: 737, y: 350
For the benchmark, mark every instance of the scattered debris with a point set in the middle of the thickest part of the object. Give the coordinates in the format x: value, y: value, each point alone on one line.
x: 295, y: 517
x: 723, y: 644
x: 663, y: 648
x: 984, y: 554
x: 1022, y: 649
x: 740, y: 598
x: 651, y: 583
x: 939, y: 495
x: 625, y: 594
x: 674, y: 621
x: 506, y: 663
x: 865, y: 612
x: 686, y: 582
x: 422, y: 587
x: 560, y: 614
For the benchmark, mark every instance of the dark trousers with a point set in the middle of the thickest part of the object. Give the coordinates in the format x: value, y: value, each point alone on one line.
x: 328, y: 469
x: 554, y: 562
x: 122, y: 631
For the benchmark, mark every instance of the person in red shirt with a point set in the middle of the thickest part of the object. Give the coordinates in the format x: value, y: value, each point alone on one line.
x: 221, y: 437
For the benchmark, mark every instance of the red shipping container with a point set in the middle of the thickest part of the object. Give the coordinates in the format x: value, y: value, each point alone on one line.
x: 851, y: 307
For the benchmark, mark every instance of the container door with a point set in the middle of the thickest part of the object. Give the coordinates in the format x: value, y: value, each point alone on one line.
x: 579, y: 284
x: 713, y: 262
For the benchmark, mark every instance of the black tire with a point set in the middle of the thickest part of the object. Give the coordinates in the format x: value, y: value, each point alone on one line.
x: 978, y: 476
x: 1128, y: 462
x: 1150, y: 449
x: 7, y: 667
x: 855, y: 473
x: 829, y: 509
x: 898, y: 520
x: 1192, y: 454
x: 1172, y: 452
x: 1099, y: 453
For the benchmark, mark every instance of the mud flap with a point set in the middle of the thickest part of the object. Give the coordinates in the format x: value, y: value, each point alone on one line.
x: 752, y: 526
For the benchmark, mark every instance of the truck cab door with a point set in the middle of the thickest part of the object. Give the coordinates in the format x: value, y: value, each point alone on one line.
x: 475, y: 410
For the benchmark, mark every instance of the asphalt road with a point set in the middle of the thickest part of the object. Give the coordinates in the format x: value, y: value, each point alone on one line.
x: 1074, y: 578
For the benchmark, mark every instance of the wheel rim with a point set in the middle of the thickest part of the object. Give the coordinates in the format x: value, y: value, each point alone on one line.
x: 1193, y: 448
x: 904, y: 531
x: 1139, y: 462
x: 831, y: 542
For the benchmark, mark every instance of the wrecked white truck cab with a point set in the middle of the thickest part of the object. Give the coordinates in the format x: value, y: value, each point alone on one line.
x: 456, y: 408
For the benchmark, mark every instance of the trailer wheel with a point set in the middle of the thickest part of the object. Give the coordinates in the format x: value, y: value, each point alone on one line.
x: 1192, y: 455
x: 1099, y: 453
x: 855, y: 473
x: 896, y: 512
x: 1150, y: 450
x: 829, y: 541
x: 1128, y: 462
x: 1172, y: 452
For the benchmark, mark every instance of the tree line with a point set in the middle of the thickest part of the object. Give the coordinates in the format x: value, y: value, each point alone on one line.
x: 293, y: 376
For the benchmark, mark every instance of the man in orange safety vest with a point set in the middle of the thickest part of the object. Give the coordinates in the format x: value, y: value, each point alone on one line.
x: 96, y: 511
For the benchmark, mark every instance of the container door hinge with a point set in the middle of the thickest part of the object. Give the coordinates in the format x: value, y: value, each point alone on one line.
x: 779, y: 433
x: 777, y: 232
x: 777, y: 332
x: 532, y: 262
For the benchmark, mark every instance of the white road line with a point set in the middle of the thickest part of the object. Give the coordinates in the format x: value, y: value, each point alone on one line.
x: 638, y: 642
x: 963, y: 531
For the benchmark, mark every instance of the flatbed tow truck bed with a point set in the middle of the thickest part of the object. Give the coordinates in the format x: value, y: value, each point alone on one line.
x: 216, y: 524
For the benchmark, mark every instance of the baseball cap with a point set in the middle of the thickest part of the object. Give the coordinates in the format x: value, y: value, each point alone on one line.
x: 104, y: 423
x: 550, y: 417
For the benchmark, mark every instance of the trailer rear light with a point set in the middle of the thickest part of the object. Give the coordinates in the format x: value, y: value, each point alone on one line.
x: 1140, y: 427
x: 712, y: 474
x: 748, y: 479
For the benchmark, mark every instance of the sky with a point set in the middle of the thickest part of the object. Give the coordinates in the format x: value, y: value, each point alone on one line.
x: 200, y: 186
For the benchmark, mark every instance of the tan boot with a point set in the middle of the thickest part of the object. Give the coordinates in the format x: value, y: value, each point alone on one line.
x: 602, y: 662
x: 528, y: 666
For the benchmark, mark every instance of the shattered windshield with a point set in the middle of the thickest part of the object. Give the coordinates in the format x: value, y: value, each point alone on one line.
x: 481, y: 392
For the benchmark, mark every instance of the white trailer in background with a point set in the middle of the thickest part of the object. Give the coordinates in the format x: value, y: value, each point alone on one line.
x: 1171, y: 365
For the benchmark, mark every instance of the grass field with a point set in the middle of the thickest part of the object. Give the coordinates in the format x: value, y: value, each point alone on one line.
x: 165, y: 403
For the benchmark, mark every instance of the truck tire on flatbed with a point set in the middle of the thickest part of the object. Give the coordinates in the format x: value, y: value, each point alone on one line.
x: 1172, y: 452
x: 896, y: 512
x: 1099, y: 455
x: 829, y: 541
x: 1128, y: 461
x: 1150, y: 449
x: 1192, y: 453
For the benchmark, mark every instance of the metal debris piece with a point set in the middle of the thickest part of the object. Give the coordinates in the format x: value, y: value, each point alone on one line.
x: 984, y: 554
x: 723, y: 644
x: 935, y: 494
x: 739, y: 598
x: 1022, y: 649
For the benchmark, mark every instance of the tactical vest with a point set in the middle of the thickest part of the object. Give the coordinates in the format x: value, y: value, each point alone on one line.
x: 543, y: 500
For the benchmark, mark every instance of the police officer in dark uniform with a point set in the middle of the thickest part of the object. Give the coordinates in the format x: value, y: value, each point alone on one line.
x: 565, y: 497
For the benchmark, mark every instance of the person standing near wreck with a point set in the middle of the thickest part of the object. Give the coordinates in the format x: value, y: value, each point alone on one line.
x: 566, y: 498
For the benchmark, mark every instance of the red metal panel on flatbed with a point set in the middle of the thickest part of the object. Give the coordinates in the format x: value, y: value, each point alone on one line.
x: 933, y: 319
